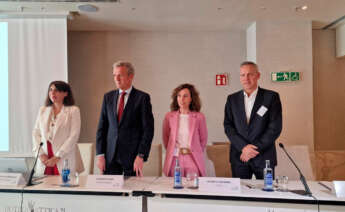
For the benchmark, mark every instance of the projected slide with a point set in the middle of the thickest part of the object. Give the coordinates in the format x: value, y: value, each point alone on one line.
x: 4, y: 121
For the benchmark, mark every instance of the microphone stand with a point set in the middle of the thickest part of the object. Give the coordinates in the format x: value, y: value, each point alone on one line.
x: 306, y: 190
x: 30, y: 183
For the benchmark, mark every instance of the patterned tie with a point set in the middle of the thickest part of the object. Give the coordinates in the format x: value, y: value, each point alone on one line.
x: 121, y: 106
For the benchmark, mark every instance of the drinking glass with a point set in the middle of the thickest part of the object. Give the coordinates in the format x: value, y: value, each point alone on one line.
x: 192, y: 180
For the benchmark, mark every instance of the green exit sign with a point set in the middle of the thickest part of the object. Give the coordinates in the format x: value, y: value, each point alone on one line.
x: 285, y: 76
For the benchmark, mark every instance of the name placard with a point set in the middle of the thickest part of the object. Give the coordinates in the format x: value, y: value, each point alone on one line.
x: 104, y: 181
x: 11, y: 179
x: 219, y: 185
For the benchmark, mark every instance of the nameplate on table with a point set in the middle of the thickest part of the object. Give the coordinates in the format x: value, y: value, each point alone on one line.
x: 104, y: 181
x: 219, y: 185
x: 11, y: 179
x: 339, y: 187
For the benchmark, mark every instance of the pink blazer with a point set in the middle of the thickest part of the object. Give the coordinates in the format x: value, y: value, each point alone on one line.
x: 197, y: 138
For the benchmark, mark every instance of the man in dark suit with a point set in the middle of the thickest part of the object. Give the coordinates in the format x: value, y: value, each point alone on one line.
x: 252, y: 122
x: 125, y: 128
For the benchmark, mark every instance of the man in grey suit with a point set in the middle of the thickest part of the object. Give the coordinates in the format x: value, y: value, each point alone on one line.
x: 252, y: 122
x: 125, y: 128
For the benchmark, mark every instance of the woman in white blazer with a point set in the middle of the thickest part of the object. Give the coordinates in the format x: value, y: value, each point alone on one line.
x: 58, y: 128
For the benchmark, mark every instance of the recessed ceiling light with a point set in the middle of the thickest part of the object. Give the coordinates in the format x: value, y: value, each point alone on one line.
x: 305, y: 7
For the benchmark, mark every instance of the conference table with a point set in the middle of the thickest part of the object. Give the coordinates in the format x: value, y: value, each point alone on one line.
x: 157, y: 194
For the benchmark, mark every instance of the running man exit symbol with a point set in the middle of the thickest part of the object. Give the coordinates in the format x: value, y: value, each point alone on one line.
x: 221, y: 79
x: 285, y: 76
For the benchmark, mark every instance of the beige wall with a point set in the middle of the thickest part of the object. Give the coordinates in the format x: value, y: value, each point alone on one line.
x: 163, y: 60
x: 287, y: 46
x: 329, y: 92
x: 329, y: 101
x: 340, y: 40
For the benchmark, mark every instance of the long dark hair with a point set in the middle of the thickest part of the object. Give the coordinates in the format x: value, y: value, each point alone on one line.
x: 195, y: 105
x: 61, y: 86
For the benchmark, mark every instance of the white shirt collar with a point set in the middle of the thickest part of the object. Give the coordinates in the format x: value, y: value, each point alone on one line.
x: 128, y: 91
x: 252, y: 94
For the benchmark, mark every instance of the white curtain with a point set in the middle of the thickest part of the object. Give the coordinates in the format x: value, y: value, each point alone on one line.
x: 37, y: 55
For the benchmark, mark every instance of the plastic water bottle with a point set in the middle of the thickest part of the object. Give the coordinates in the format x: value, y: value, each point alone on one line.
x: 177, y: 175
x: 268, y: 177
x: 65, y: 173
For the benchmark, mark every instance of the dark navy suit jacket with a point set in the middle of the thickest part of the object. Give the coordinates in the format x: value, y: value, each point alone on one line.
x: 261, y: 131
x: 132, y: 135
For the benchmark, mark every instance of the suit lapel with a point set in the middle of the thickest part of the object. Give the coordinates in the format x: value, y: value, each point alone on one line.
x: 175, y: 125
x: 192, y: 126
x: 242, y: 109
x: 113, y: 103
x: 45, y: 120
x: 258, y: 102
x: 61, y: 118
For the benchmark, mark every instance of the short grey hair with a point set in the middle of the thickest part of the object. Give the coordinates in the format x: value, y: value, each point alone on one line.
x: 128, y: 65
x: 249, y: 63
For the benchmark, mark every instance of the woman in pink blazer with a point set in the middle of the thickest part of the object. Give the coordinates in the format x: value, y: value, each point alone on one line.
x: 185, y: 132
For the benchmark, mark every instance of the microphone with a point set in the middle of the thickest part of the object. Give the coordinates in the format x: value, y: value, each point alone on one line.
x: 306, y: 190
x: 30, y: 183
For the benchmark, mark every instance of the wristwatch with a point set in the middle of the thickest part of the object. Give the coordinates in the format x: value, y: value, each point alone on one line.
x: 141, y: 155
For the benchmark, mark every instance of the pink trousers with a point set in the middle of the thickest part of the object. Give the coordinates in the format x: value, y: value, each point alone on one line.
x: 187, y: 165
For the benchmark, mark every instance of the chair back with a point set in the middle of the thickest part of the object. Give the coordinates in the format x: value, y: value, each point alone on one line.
x: 87, y: 156
x: 300, y: 154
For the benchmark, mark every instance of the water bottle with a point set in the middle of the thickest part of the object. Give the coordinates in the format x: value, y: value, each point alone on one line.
x: 177, y: 175
x: 268, y: 177
x: 65, y: 173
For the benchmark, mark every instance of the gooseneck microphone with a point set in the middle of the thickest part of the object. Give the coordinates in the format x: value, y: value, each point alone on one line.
x: 306, y: 191
x: 30, y: 183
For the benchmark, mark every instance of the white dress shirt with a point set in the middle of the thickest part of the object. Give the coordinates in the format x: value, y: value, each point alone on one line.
x: 249, y: 103
x: 128, y: 91
x: 183, y: 131
x: 182, y: 140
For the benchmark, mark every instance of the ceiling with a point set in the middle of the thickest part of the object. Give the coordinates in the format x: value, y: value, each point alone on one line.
x: 184, y: 15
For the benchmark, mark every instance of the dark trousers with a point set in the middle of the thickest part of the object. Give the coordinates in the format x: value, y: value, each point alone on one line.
x: 115, y: 168
x: 246, y: 170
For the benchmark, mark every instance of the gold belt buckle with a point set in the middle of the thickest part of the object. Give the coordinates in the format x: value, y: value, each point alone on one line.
x: 184, y: 151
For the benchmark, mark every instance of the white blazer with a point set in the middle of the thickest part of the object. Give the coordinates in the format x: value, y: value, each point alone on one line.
x: 64, y: 140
